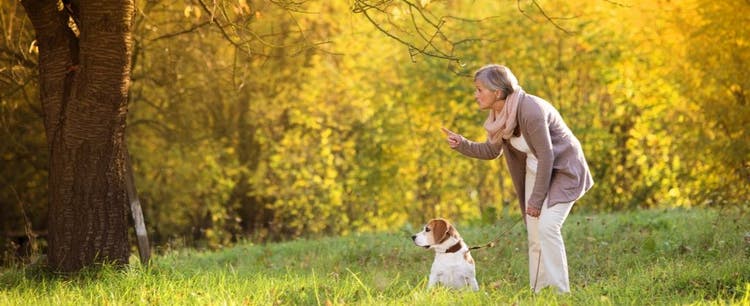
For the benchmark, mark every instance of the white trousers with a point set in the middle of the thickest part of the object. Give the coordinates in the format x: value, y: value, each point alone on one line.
x: 548, y: 264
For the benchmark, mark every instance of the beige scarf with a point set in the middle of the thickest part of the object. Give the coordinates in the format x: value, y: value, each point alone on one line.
x: 500, y: 126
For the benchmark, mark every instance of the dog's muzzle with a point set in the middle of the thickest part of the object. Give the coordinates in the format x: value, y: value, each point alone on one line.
x: 414, y: 239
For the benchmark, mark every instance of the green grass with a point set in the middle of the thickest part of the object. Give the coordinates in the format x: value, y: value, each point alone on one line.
x: 672, y: 257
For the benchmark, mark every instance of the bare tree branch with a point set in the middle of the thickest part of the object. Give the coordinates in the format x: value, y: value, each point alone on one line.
x: 427, y: 34
x: 621, y: 4
x: 438, y: 31
x: 242, y: 36
x: 186, y: 31
x: 219, y: 25
x: 362, y: 7
x: 541, y: 10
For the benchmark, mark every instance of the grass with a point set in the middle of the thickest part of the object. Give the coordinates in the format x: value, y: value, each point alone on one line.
x: 664, y: 257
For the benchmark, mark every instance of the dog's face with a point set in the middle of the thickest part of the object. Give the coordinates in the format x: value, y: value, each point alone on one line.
x: 436, y: 232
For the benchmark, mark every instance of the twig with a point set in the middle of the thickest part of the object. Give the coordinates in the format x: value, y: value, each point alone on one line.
x: 186, y: 31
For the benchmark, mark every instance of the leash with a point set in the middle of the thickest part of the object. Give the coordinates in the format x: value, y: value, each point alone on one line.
x: 536, y: 277
x: 497, y: 240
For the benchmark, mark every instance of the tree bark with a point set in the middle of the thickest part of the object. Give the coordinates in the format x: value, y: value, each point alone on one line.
x: 84, y: 81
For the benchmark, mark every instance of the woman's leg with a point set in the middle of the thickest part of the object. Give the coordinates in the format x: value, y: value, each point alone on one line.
x: 536, y: 275
x: 536, y: 270
x: 548, y: 263
x: 553, y: 260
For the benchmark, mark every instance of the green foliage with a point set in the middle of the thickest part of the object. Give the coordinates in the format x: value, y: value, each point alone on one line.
x: 611, y: 263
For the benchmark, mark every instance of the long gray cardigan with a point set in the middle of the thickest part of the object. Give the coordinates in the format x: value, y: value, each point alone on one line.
x: 562, y: 171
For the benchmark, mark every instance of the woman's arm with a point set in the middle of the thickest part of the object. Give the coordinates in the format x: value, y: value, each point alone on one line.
x: 480, y: 150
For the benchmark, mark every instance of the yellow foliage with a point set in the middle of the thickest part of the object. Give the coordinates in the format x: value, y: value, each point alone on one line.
x: 312, y: 122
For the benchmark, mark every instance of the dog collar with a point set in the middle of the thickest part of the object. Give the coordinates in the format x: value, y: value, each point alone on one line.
x: 455, y: 248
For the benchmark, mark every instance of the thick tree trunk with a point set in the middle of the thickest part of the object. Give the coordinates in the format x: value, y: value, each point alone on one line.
x: 84, y: 82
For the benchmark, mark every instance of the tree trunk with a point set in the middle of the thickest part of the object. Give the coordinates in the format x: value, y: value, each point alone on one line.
x: 84, y: 81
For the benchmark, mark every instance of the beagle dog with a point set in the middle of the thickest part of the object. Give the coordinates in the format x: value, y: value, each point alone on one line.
x: 453, y: 266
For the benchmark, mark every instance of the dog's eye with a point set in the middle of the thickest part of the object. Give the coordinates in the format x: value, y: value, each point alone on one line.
x: 426, y: 229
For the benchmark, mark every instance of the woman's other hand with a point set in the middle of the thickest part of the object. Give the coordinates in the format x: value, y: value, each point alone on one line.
x: 531, y: 211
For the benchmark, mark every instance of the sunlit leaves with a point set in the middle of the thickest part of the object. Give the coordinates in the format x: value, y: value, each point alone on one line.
x: 192, y: 10
x: 311, y: 121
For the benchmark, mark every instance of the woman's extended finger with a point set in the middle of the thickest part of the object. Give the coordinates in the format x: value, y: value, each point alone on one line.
x: 447, y: 132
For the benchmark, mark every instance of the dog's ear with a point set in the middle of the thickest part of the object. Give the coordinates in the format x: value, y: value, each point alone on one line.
x: 440, y: 230
x: 452, y: 231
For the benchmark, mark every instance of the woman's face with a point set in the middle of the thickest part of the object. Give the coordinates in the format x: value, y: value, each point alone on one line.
x: 485, y: 97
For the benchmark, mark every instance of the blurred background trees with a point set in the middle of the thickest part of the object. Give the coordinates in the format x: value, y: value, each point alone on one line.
x: 272, y: 120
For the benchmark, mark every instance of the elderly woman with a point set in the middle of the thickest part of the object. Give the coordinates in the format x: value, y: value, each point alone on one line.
x: 546, y: 164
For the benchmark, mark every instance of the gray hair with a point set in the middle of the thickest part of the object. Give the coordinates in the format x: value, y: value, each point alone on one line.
x: 497, y: 77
